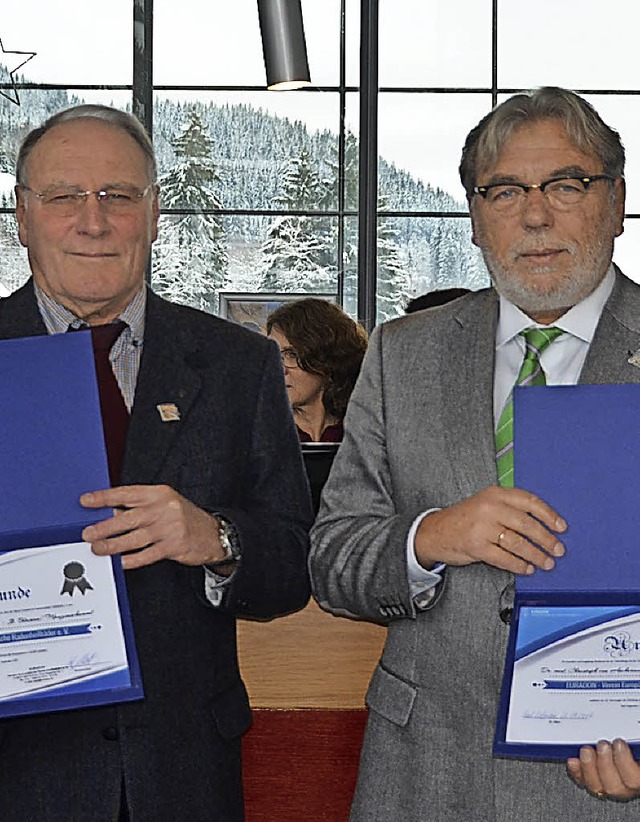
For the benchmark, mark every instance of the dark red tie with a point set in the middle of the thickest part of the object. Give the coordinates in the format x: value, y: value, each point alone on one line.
x: 115, y: 417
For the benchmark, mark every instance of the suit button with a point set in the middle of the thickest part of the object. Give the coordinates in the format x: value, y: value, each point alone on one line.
x: 506, y: 615
x: 425, y: 598
x: 110, y: 733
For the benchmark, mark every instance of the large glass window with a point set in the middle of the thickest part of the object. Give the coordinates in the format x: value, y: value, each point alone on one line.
x: 251, y: 180
x: 260, y: 189
x: 442, y: 66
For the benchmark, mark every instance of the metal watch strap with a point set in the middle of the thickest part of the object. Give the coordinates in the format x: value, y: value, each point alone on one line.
x: 229, y: 541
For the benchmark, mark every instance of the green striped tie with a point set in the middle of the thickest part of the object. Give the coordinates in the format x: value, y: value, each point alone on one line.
x: 531, y: 373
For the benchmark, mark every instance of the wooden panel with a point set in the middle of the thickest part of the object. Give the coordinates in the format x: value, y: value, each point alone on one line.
x: 301, y: 766
x: 308, y: 660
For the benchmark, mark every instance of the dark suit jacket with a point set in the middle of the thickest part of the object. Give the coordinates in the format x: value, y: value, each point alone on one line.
x: 235, y: 452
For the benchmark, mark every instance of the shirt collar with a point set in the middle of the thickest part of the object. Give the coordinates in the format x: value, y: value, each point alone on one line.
x: 58, y: 319
x: 580, y: 320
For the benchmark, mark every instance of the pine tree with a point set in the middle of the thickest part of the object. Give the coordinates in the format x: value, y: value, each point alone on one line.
x: 349, y: 262
x: 190, y: 259
x: 392, y: 277
x: 253, y: 148
x: 296, y: 252
x: 14, y: 268
x: 453, y: 264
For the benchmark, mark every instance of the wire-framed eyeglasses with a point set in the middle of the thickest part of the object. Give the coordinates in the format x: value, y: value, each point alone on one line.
x: 67, y: 201
x: 289, y: 358
x: 562, y: 193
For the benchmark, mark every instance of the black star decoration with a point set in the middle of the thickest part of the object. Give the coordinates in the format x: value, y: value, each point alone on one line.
x: 29, y: 55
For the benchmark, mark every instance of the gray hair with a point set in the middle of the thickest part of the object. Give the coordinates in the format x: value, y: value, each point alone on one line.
x: 584, y: 127
x: 113, y: 116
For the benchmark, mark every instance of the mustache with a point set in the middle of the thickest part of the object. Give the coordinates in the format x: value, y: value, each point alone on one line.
x: 528, y: 248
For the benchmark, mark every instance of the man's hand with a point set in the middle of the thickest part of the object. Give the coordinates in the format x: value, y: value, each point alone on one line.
x: 154, y: 521
x: 608, y: 771
x: 504, y: 527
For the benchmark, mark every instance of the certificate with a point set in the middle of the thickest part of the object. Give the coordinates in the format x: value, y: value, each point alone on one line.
x: 65, y: 631
x: 572, y: 668
x: 576, y: 676
x: 66, y: 639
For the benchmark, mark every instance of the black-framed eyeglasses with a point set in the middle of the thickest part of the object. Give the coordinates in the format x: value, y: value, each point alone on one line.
x: 561, y: 192
x: 67, y: 201
x: 289, y: 358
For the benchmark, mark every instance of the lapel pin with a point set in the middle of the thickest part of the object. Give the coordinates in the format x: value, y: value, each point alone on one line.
x: 634, y: 359
x: 168, y: 411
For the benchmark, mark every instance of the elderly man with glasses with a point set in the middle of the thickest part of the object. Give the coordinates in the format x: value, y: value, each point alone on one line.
x: 209, y: 490
x: 420, y: 525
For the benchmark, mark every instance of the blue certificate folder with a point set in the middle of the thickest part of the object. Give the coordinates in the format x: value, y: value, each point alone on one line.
x: 51, y: 451
x: 578, y: 448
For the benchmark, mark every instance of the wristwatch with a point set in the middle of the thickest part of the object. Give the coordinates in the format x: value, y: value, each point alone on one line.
x: 228, y: 537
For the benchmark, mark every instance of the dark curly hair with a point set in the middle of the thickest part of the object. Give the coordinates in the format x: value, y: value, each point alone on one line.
x: 327, y: 342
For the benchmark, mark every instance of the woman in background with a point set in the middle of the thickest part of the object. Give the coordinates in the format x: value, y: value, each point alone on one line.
x: 322, y: 350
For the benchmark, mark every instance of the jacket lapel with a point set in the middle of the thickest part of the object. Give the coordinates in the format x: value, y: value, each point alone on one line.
x: 468, y: 382
x: 617, y: 337
x: 168, y: 377
x: 19, y: 315
x: 468, y: 393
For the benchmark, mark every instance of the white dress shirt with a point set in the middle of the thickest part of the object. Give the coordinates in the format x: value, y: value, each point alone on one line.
x: 561, y: 362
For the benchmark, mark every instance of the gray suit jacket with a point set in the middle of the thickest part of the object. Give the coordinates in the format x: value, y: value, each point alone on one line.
x: 419, y: 434
x: 235, y: 452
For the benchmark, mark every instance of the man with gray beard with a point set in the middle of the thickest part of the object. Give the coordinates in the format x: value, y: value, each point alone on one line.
x: 420, y: 525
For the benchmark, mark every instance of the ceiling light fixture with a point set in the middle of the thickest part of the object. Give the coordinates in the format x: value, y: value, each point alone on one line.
x: 283, y: 44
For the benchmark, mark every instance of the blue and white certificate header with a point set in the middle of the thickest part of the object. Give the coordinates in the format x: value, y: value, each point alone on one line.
x: 576, y: 676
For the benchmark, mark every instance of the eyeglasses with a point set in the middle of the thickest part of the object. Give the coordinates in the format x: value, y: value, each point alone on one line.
x: 66, y: 201
x: 562, y: 193
x: 290, y: 358
x: 505, y: 602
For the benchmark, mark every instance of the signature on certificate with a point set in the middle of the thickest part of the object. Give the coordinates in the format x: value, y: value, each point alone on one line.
x: 82, y: 661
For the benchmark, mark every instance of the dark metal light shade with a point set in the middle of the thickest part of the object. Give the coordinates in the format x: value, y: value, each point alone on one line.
x: 283, y: 44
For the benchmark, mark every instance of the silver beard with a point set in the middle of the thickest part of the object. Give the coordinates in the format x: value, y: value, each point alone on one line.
x: 588, y: 267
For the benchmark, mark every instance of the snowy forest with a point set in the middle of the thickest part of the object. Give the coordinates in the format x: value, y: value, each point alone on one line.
x: 239, y: 158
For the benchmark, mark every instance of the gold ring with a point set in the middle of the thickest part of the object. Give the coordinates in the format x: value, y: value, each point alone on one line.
x: 601, y: 794
x: 502, y: 535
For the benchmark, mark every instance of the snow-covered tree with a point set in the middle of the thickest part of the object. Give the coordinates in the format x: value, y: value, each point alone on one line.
x: 190, y: 255
x: 393, y: 279
x: 14, y: 268
x: 349, y: 260
x: 392, y: 264
x: 296, y: 252
x: 252, y: 147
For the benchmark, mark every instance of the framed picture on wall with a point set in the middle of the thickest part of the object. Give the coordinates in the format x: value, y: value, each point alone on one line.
x: 252, y: 309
